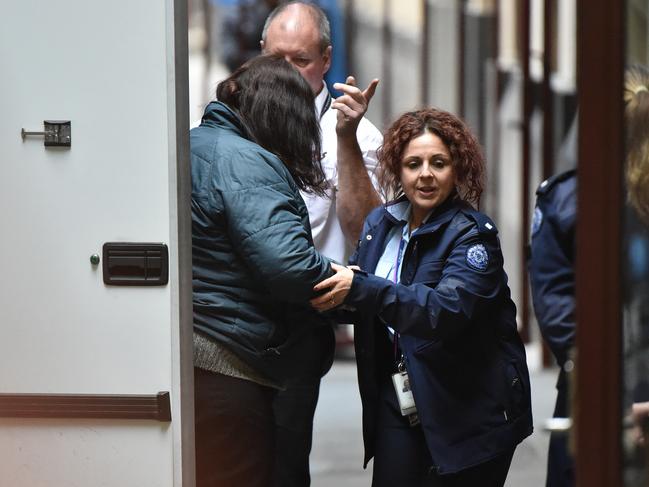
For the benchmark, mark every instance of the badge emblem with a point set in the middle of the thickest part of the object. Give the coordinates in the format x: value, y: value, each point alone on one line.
x: 537, y: 219
x: 477, y: 257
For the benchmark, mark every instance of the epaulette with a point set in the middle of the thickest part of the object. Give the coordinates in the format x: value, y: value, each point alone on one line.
x: 486, y: 226
x: 552, y: 181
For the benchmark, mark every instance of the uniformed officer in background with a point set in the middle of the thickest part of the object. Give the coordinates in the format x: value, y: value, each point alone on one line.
x: 552, y: 277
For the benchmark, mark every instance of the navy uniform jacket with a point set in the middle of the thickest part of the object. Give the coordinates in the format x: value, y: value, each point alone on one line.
x: 552, y: 262
x: 465, y: 360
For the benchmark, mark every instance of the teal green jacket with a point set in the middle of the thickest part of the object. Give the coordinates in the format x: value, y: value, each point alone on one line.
x: 254, y: 264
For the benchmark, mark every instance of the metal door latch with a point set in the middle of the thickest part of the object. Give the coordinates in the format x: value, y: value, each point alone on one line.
x: 57, y: 133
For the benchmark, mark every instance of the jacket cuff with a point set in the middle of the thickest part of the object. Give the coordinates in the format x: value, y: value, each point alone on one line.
x: 363, y: 294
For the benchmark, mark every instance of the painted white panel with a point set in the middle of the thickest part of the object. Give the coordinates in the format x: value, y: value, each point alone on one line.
x: 564, y: 79
x: 509, y: 175
x: 105, y: 70
x: 536, y: 40
x: 109, y: 69
x: 39, y: 453
x: 507, y: 28
x: 443, y: 74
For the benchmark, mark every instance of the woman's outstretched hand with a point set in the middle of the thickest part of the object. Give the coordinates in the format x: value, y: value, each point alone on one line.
x: 335, y: 288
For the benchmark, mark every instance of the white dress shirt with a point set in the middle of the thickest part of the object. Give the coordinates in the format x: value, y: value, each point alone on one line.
x: 328, y: 236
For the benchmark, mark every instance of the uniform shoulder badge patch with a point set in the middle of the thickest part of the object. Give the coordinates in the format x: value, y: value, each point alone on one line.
x: 477, y: 257
x: 537, y: 219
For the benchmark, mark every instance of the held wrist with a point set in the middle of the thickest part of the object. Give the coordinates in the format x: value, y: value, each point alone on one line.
x: 357, y: 277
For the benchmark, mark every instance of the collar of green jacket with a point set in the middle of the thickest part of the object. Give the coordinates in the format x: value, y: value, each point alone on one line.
x: 218, y: 114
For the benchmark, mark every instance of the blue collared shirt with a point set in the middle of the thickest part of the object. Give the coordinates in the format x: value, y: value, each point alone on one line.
x: 391, y: 261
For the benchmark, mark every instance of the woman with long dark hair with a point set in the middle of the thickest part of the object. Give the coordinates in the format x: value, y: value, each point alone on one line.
x: 441, y: 368
x: 254, y: 264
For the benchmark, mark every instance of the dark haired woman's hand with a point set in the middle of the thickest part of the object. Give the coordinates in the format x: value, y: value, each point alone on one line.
x: 352, y: 105
x: 334, y: 289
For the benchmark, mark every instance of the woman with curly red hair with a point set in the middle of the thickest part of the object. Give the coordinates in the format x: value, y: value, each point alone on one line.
x: 442, y: 371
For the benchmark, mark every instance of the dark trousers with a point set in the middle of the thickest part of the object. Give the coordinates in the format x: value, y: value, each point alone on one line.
x: 561, y: 466
x: 294, y: 408
x: 235, y: 431
x: 402, y: 458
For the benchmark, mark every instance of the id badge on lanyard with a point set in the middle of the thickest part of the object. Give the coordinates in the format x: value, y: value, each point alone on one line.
x: 401, y: 383
x: 400, y: 379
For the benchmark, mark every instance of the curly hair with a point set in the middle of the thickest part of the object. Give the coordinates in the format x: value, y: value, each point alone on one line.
x: 466, y: 153
x: 636, y: 99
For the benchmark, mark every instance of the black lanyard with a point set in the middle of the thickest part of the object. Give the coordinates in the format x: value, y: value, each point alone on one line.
x: 326, y: 105
x: 395, y: 277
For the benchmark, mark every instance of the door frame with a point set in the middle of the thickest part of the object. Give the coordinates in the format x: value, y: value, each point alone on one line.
x: 600, y: 66
x: 185, y: 371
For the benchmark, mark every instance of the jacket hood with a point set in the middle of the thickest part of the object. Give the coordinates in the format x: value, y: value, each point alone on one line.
x: 218, y: 114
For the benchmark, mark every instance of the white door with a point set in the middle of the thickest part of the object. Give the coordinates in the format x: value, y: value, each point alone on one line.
x: 82, y: 362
